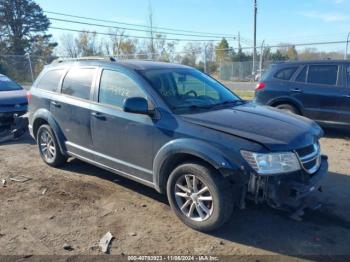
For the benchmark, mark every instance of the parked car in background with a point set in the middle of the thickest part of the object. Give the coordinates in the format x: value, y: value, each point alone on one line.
x: 319, y: 90
x: 178, y: 131
x: 13, y: 105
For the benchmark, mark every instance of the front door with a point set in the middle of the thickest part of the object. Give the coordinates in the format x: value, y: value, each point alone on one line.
x: 123, y: 141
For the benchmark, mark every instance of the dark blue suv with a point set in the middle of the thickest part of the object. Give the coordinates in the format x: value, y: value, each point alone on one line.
x: 179, y: 131
x: 319, y: 90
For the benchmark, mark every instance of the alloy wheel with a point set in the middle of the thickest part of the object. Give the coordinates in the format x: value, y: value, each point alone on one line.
x: 193, y: 198
x: 47, y: 145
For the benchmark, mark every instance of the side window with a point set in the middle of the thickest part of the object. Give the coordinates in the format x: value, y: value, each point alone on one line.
x: 78, y: 82
x: 50, y: 81
x: 115, y: 87
x: 302, y: 75
x: 323, y: 74
x: 285, y: 73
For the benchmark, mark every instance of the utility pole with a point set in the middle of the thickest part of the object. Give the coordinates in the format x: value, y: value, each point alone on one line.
x: 27, y: 55
x: 346, y: 49
x: 254, y: 51
x: 239, y: 41
x: 150, y: 17
x: 261, y: 59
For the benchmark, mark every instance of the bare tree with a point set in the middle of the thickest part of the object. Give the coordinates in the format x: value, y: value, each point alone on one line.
x: 142, y: 50
x: 191, y: 51
x: 88, y: 44
x: 68, y: 45
x: 116, y: 39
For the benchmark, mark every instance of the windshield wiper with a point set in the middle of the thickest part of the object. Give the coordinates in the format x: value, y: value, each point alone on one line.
x: 192, y: 107
x: 228, y: 102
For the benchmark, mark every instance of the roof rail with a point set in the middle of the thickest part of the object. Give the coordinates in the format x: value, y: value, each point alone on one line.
x: 84, y: 58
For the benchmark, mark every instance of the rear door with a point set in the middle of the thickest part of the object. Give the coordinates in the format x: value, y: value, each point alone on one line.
x: 72, y: 109
x: 319, y: 88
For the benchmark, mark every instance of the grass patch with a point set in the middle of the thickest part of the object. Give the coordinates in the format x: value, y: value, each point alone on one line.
x: 245, y: 94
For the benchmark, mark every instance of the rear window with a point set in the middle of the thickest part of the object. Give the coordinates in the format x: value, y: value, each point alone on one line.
x: 6, y: 84
x: 51, y: 80
x: 323, y: 74
x: 78, y: 82
x: 285, y: 73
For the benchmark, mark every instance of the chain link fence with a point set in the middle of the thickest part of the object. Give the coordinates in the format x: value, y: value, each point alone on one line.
x: 23, y: 68
x: 242, y: 71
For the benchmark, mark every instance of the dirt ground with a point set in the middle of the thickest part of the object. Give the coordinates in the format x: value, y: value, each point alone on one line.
x: 82, y: 203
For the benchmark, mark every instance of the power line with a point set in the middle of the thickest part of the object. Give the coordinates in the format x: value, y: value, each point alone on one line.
x: 206, y: 40
x: 131, y: 29
x: 132, y: 36
x: 136, y: 25
x: 288, y: 45
x: 312, y: 36
x: 301, y: 44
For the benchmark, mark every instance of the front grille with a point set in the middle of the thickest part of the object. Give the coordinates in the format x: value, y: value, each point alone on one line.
x: 310, y: 157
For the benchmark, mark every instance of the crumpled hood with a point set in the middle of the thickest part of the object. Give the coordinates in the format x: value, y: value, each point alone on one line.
x: 13, y: 97
x: 276, y: 130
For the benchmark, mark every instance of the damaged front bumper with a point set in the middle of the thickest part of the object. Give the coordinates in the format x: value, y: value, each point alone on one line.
x: 12, y: 125
x: 289, y: 191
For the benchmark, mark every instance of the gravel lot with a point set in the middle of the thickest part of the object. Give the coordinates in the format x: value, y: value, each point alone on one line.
x: 82, y: 203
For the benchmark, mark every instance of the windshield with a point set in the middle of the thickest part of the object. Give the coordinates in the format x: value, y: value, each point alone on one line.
x: 189, y: 89
x: 6, y: 84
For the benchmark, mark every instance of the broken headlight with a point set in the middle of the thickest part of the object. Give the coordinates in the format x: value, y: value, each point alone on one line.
x: 272, y: 163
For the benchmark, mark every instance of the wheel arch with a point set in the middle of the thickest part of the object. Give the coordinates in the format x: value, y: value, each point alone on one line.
x: 42, y: 117
x: 287, y: 100
x: 181, y: 151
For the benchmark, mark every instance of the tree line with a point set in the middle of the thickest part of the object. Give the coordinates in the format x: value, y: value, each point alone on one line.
x: 24, y: 27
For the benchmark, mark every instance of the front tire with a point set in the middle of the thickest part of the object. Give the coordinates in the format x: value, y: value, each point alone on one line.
x: 199, y: 196
x: 48, y: 147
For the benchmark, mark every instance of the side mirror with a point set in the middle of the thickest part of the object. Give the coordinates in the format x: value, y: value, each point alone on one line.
x: 137, y: 105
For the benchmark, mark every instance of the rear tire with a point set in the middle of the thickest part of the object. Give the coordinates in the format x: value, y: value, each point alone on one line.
x: 288, y: 108
x: 48, y: 147
x: 199, y: 196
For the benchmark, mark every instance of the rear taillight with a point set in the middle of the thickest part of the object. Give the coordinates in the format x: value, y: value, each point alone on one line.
x: 29, y: 96
x: 260, y: 86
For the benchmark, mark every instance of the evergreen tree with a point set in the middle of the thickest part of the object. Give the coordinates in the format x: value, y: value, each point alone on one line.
x: 22, y: 22
x: 222, y: 50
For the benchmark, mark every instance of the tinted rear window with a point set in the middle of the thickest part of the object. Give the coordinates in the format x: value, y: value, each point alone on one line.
x: 78, y: 82
x: 323, y: 74
x: 285, y: 73
x: 6, y: 84
x: 50, y: 81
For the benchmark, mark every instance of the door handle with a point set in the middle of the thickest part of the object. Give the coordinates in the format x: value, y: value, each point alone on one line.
x: 297, y: 90
x: 98, y: 116
x: 54, y: 103
x: 348, y: 96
